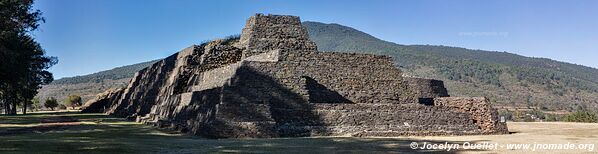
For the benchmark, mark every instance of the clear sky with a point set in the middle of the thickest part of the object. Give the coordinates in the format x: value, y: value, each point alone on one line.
x: 94, y: 35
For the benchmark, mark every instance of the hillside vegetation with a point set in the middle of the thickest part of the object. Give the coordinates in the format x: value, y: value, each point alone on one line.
x: 509, y: 80
x: 87, y: 86
x: 113, y: 74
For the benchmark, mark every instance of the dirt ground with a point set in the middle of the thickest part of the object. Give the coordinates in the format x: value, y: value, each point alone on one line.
x: 545, y: 136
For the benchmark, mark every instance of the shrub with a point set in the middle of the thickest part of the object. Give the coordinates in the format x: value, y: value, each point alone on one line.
x: 35, y: 104
x: 72, y: 101
x: 51, y: 103
x: 62, y: 107
x: 507, y: 114
x: 581, y: 116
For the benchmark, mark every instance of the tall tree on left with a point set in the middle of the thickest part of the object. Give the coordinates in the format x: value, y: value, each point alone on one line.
x: 23, y: 63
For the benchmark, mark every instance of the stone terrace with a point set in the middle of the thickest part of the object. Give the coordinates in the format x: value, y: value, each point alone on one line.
x: 273, y: 82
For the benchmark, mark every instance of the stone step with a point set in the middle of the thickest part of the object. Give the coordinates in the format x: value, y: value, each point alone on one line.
x: 216, y: 77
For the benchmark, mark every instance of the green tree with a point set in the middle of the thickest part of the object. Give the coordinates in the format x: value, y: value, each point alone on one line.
x: 51, y: 103
x: 23, y: 64
x: 73, y: 101
x: 35, y: 104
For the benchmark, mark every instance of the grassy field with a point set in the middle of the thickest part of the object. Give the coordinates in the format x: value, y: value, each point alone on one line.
x: 68, y: 132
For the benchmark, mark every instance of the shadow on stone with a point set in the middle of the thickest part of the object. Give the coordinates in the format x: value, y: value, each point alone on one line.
x: 277, y: 110
x: 426, y: 101
x: 319, y: 93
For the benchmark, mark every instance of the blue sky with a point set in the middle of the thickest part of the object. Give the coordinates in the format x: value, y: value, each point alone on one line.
x: 94, y: 35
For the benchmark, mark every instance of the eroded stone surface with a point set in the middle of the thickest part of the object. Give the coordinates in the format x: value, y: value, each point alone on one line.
x: 102, y: 101
x: 272, y: 82
x: 484, y: 116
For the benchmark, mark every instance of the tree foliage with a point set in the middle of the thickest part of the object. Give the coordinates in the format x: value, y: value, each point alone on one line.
x: 51, y: 103
x: 581, y: 116
x: 73, y: 101
x: 35, y: 104
x: 23, y: 65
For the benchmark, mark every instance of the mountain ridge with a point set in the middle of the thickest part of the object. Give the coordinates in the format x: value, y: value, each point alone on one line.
x: 116, y: 73
x: 535, y: 82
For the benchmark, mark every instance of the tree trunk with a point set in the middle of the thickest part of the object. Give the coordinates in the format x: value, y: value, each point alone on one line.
x: 25, y: 108
x: 13, y: 110
x: 9, y: 111
x: 5, y: 106
x: 11, y: 104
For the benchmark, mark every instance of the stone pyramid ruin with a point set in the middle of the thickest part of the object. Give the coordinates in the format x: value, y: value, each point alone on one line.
x: 272, y: 82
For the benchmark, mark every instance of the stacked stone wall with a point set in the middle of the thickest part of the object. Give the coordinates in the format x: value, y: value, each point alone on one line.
x: 273, y: 83
x: 360, y: 78
x: 143, y: 89
x: 425, y: 90
x: 483, y: 115
x: 263, y: 33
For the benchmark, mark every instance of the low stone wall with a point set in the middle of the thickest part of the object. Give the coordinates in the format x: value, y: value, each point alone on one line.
x: 484, y: 116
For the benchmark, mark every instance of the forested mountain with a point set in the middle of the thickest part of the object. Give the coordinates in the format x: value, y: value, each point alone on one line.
x: 87, y: 86
x: 113, y: 74
x: 508, y: 79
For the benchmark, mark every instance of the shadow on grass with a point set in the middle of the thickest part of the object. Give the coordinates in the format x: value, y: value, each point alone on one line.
x: 32, y: 118
x: 323, y: 145
x: 105, y: 134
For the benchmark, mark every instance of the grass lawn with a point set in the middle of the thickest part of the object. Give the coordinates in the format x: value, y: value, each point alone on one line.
x: 73, y: 132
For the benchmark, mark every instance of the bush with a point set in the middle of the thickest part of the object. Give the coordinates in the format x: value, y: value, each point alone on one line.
x: 51, y: 103
x: 552, y: 117
x: 35, y: 104
x: 62, y: 107
x: 538, y: 114
x: 507, y: 114
x: 528, y: 119
x: 72, y: 101
x: 581, y: 116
